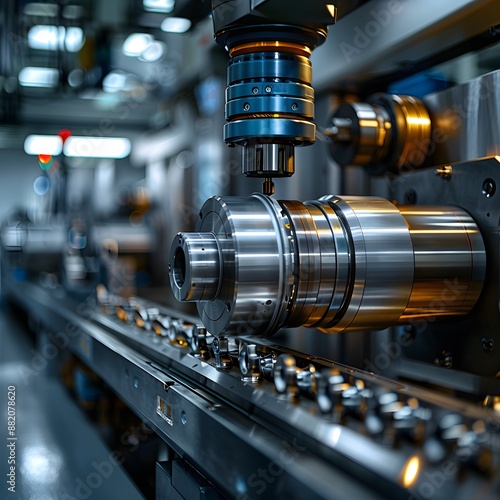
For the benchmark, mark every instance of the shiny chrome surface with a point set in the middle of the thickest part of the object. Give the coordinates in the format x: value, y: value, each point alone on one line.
x: 389, y: 132
x: 360, y: 133
x: 382, y: 262
x: 449, y: 261
x: 256, y: 263
x: 195, y: 267
x: 337, y: 263
x: 273, y: 160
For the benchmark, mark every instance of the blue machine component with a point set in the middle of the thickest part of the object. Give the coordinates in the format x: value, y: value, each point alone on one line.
x: 269, y: 96
x: 421, y: 84
x: 269, y: 105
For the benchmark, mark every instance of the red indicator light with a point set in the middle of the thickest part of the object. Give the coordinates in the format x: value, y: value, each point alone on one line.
x: 45, y: 161
x: 64, y: 134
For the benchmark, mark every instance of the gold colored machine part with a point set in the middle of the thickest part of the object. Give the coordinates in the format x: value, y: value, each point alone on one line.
x: 338, y: 263
x: 271, y: 46
x: 388, y: 132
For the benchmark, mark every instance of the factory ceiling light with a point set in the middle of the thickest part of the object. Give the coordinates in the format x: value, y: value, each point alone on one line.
x: 32, y: 76
x: 162, y: 6
x: 154, y: 52
x: 43, y: 144
x: 136, y: 43
x: 175, y: 25
x: 50, y: 37
x: 97, y: 147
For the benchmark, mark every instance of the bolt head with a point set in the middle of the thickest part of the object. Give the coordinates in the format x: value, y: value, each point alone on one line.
x: 488, y: 344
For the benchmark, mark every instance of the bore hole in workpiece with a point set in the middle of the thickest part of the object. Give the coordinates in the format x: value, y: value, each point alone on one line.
x: 179, y: 267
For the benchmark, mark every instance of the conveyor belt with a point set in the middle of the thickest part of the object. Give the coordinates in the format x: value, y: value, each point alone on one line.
x: 230, y: 429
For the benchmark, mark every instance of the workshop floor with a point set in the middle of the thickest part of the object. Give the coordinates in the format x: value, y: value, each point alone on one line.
x: 58, y: 454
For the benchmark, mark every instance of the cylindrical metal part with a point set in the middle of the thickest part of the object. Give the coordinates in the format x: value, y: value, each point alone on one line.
x: 268, y: 160
x: 361, y: 134
x: 269, y: 97
x: 449, y: 261
x: 382, y: 262
x: 269, y: 105
x: 389, y: 132
x: 337, y: 263
x: 195, y: 267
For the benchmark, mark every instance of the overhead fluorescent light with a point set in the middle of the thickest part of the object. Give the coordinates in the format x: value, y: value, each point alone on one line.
x: 74, y: 39
x: 43, y: 145
x: 47, y: 37
x: 175, y: 25
x: 33, y: 76
x: 78, y: 147
x: 114, y: 81
x: 136, y: 44
x: 162, y: 6
x: 154, y: 52
x: 97, y: 147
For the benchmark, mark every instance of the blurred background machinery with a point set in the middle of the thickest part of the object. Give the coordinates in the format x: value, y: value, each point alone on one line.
x: 226, y: 337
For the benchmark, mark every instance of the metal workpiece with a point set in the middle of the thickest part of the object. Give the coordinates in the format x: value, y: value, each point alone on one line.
x: 285, y: 376
x: 328, y: 384
x: 162, y: 324
x: 291, y: 380
x: 388, y: 132
x: 180, y: 333
x: 256, y: 257
x: 338, y: 263
x: 144, y: 316
x: 220, y: 347
x: 250, y: 363
x: 450, y: 261
x: 199, y: 344
x: 198, y: 277
x: 125, y: 310
x: 359, y: 444
x: 360, y: 134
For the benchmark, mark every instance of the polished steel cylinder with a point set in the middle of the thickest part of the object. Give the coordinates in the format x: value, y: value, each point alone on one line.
x: 195, y: 267
x: 449, y: 261
x: 389, y: 132
x: 338, y: 263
